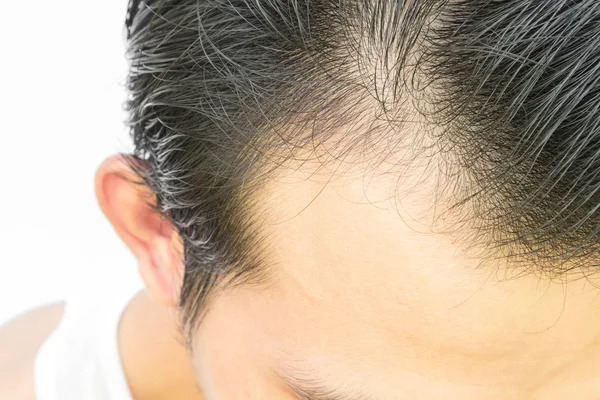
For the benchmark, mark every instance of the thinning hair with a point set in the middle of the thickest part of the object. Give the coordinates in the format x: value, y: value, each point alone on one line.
x: 223, y: 92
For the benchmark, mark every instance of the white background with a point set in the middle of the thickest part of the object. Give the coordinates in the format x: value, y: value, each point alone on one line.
x: 62, y: 75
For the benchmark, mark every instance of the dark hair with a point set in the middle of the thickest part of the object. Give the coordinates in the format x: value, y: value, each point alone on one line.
x: 223, y: 92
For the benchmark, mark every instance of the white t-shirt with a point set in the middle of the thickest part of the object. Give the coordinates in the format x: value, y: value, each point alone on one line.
x: 80, y: 359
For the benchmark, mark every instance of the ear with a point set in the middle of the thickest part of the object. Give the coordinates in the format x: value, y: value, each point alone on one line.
x: 149, y: 235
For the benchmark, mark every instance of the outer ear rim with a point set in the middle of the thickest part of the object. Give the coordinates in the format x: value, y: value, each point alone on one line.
x: 140, y: 227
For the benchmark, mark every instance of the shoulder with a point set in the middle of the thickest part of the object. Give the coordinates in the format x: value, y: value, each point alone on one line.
x: 20, y: 341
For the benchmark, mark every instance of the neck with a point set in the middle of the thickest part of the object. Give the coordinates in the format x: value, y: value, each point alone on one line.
x: 155, y: 361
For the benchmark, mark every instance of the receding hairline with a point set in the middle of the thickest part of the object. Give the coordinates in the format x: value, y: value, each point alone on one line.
x: 488, y: 81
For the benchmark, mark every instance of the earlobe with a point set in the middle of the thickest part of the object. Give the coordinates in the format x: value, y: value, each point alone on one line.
x: 149, y: 235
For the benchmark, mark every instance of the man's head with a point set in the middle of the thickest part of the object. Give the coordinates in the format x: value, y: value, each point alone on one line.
x: 336, y: 193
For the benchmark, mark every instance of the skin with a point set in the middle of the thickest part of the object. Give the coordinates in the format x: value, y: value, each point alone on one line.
x: 363, y: 302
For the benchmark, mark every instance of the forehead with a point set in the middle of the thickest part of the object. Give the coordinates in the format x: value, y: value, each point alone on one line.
x: 364, y: 297
x: 359, y: 263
